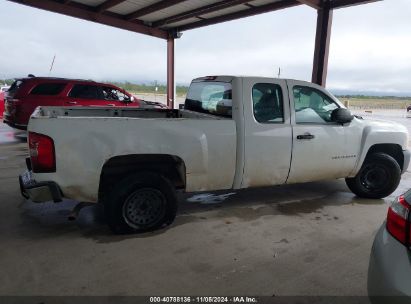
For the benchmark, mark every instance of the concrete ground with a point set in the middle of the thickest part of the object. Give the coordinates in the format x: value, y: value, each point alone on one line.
x: 307, y: 239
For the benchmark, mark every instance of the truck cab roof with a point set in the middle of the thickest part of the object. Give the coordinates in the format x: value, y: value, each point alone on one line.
x: 229, y: 78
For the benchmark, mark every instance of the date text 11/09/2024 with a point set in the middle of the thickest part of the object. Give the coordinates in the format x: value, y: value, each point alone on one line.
x: 203, y: 300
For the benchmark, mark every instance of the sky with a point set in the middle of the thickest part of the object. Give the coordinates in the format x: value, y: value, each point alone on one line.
x: 370, y: 48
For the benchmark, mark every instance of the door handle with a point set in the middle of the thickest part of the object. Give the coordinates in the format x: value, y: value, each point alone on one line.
x: 305, y: 136
x: 72, y: 102
x: 110, y: 105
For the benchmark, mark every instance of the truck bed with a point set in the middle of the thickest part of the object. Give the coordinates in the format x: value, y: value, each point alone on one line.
x: 86, y: 138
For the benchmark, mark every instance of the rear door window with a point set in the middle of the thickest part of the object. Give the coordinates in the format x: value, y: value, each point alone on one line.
x: 85, y: 91
x: 210, y: 97
x: 268, y: 103
x: 48, y: 89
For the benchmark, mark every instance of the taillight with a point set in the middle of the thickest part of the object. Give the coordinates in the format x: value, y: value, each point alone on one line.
x: 397, y: 220
x: 13, y: 101
x: 42, y: 154
x: 11, y: 104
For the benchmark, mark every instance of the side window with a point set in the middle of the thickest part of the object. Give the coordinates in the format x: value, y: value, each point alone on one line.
x: 86, y: 91
x: 268, y: 103
x: 114, y: 94
x: 312, y: 105
x: 48, y: 89
x: 15, y: 86
x: 211, y: 97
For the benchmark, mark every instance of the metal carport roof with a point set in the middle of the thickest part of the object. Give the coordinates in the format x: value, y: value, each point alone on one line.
x: 166, y: 19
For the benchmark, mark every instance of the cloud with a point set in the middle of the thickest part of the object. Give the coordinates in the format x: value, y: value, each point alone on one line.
x: 370, y: 47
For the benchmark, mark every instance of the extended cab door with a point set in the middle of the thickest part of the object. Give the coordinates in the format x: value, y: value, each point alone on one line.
x: 319, y: 145
x: 268, y: 134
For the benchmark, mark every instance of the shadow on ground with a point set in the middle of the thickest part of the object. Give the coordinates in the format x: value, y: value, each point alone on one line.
x: 49, y: 220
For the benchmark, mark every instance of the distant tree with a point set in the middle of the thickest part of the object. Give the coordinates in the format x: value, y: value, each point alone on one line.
x: 148, y: 88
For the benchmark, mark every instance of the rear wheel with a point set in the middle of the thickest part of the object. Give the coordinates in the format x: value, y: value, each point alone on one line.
x: 140, y: 203
x: 378, y: 177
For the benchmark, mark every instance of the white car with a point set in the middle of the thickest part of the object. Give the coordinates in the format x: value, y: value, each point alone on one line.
x: 4, y: 88
x: 263, y: 132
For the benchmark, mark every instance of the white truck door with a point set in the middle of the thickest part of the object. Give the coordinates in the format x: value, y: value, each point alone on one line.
x: 318, y: 143
x: 267, y: 132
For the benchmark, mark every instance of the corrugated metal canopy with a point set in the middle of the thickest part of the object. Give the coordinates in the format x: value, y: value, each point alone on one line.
x: 168, y: 17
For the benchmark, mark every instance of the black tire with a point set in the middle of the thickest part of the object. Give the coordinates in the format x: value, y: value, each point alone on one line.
x: 378, y: 177
x: 140, y: 203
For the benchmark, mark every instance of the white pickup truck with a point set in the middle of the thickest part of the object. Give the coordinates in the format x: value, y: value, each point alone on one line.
x: 233, y: 133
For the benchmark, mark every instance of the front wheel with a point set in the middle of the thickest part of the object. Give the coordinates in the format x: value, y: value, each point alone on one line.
x: 140, y: 203
x: 378, y: 177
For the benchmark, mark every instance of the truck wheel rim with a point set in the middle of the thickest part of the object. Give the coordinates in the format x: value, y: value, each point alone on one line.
x: 374, y: 177
x: 144, y: 208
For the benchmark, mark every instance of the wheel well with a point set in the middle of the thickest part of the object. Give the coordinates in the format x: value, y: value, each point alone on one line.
x: 116, y: 168
x: 393, y: 150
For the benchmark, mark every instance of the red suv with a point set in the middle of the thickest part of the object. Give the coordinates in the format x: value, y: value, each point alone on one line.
x: 26, y: 94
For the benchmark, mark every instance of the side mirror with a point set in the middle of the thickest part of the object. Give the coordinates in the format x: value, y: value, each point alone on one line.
x: 341, y: 116
x: 132, y: 98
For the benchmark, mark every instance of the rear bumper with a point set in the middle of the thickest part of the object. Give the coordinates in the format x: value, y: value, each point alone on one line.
x: 389, y: 270
x: 39, y: 192
x: 407, y: 156
x: 8, y: 121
